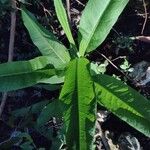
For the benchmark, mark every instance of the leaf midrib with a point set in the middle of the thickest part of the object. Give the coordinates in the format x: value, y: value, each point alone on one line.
x: 94, y: 29
x: 68, y: 33
x: 37, y: 28
x: 77, y: 111
x: 134, y: 111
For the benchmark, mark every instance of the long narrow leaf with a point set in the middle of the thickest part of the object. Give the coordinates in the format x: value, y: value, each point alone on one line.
x: 96, y: 22
x: 44, y: 40
x: 21, y: 74
x: 78, y: 95
x: 62, y: 16
x: 124, y: 102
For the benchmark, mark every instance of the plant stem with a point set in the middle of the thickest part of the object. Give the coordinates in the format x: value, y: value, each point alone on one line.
x: 11, y: 48
x: 146, y: 17
x: 142, y: 38
x: 12, y: 32
x: 4, y: 98
x: 80, y: 3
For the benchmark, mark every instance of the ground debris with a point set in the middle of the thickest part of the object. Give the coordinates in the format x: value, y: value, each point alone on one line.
x: 141, y: 73
x: 128, y: 142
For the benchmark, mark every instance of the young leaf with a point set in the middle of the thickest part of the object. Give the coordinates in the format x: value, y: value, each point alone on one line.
x: 124, y: 102
x: 96, y: 22
x: 44, y: 40
x: 54, y: 80
x: 58, y: 78
x: 53, y: 109
x: 33, y: 109
x: 21, y: 74
x: 62, y: 16
x: 78, y: 95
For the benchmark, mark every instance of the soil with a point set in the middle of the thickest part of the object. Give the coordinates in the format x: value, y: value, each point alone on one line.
x: 129, y: 24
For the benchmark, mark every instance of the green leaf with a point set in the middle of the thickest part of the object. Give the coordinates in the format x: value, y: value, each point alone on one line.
x: 78, y: 95
x: 54, y: 80
x: 53, y: 109
x: 21, y: 74
x: 17, y: 138
x: 62, y: 17
x: 9, y: 143
x: 44, y: 40
x: 49, y: 87
x: 96, y: 22
x: 33, y: 109
x: 124, y: 102
x: 28, y: 143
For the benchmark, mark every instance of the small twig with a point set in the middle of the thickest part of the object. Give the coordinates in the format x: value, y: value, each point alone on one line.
x: 141, y: 15
x: 80, y: 3
x: 141, y: 38
x: 115, y: 66
x: 46, y: 11
x: 120, y: 57
x: 110, y: 61
x: 4, y: 97
x: 146, y: 16
x: 11, y: 49
x: 68, y: 10
x: 12, y: 32
x: 116, y: 31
